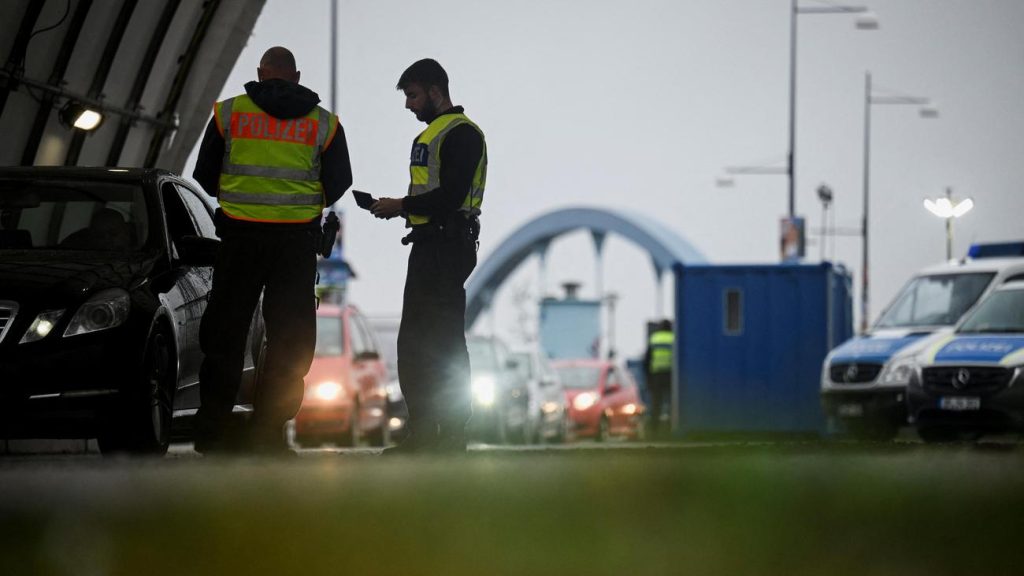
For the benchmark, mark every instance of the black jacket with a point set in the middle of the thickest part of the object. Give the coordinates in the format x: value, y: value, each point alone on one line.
x: 285, y: 100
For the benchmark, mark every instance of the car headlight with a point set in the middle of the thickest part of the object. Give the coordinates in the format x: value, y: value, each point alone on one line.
x: 898, y: 372
x: 484, y: 390
x: 394, y: 391
x: 629, y: 409
x: 42, y: 325
x: 584, y: 400
x: 327, y: 391
x: 106, y: 309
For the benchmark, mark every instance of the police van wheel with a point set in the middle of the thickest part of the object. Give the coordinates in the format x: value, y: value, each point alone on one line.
x: 938, y: 434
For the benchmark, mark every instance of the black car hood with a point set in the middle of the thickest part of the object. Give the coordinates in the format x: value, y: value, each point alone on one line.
x: 65, y: 276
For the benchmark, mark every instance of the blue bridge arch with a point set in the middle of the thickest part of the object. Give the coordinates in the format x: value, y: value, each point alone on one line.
x: 665, y: 246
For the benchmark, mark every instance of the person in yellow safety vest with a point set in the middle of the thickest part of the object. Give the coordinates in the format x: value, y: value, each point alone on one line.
x: 658, y: 370
x: 448, y: 171
x: 273, y: 159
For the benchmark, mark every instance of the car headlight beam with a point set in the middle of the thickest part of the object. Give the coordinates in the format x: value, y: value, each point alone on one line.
x: 484, y: 390
x: 106, y: 309
x: 584, y: 400
x: 328, y: 391
x: 41, y: 326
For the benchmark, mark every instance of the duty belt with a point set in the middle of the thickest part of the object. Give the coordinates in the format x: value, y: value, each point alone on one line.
x: 457, y: 228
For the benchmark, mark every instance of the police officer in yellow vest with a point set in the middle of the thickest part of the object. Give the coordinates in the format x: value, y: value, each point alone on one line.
x: 658, y: 368
x: 448, y: 171
x: 274, y: 159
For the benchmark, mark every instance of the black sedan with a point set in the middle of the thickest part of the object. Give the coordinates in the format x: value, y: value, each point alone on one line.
x: 104, y: 277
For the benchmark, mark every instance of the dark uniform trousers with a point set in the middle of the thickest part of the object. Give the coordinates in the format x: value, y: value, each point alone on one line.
x: 433, y: 362
x: 659, y: 386
x: 282, y: 266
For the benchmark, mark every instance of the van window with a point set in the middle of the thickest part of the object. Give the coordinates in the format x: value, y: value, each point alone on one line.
x: 938, y: 300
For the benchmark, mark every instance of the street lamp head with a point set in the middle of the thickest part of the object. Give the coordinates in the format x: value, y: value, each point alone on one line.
x: 867, y: 21
x: 825, y: 194
x: 963, y: 207
x: 944, y: 207
x: 725, y: 182
x: 928, y: 112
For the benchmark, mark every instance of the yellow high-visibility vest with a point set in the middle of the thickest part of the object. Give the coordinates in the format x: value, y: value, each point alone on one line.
x: 271, y: 168
x: 661, y: 351
x: 425, y: 165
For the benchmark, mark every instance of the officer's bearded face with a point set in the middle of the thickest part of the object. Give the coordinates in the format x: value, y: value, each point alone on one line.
x: 420, y: 102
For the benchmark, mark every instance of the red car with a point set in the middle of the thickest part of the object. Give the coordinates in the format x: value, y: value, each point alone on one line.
x: 346, y: 398
x: 603, y: 399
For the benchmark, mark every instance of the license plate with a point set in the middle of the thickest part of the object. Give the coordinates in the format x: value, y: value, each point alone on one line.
x: 960, y: 403
x: 851, y: 410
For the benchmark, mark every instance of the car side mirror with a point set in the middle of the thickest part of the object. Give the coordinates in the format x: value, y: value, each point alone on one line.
x: 197, y: 251
x: 512, y: 364
x: 366, y: 355
x: 612, y: 389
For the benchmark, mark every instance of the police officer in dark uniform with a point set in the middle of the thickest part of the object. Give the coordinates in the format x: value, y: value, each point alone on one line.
x: 448, y: 172
x: 274, y: 159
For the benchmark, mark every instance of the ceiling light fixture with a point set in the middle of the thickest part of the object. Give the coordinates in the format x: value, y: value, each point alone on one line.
x: 76, y: 115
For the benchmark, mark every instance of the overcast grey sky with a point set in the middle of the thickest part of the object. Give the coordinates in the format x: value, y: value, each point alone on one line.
x: 642, y: 103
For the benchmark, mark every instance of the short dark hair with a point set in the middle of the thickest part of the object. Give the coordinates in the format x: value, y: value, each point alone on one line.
x: 426, y: 73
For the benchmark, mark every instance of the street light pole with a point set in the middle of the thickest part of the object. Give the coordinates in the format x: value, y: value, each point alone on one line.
x: 870, y: 99
x: 864, y: 301
x: 866, y: 22
x: 791, y: 160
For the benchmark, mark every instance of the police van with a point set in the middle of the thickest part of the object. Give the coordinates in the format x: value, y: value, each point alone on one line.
x: 863, y: 391
x: 971, y: 383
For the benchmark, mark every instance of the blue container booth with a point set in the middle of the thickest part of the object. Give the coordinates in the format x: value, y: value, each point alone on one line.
x: 750, y: 342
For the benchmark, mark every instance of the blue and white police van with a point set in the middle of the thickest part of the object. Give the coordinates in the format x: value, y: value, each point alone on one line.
x: 863, y: 388
x: 971, y: 382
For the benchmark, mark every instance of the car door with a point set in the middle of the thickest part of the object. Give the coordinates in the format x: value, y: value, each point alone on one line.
x: 367, y: 367
x: 186, y: 215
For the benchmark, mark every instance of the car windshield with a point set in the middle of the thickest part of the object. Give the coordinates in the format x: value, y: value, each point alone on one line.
x: 330, y: 336
x: 1002, y: 312
x: 482, y: 355
x: 387, y: 337
x: 938, y: 300
x: 58, y: 215
x: 579, y: 376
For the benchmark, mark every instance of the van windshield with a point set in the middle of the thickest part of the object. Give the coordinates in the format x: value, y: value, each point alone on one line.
x: 938, y: 300
x: 1000, y: 313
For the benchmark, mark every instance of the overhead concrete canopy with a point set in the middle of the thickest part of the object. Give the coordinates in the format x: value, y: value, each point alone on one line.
x: 665, y: 247
x: 154, y: 68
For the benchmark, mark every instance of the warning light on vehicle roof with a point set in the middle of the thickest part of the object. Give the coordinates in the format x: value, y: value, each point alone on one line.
x: 75, y: 115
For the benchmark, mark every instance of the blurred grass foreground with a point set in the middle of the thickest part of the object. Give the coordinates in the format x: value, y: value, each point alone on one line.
x: 814, y: 509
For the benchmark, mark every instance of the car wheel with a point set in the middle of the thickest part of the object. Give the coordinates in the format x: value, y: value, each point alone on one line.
x: 564, y: 430
x: 640, y: 426
x: 382, y: 435
x: 539, y: 435
x: 142, y: 424
x: 351, y: 437
x: 604, y: 429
